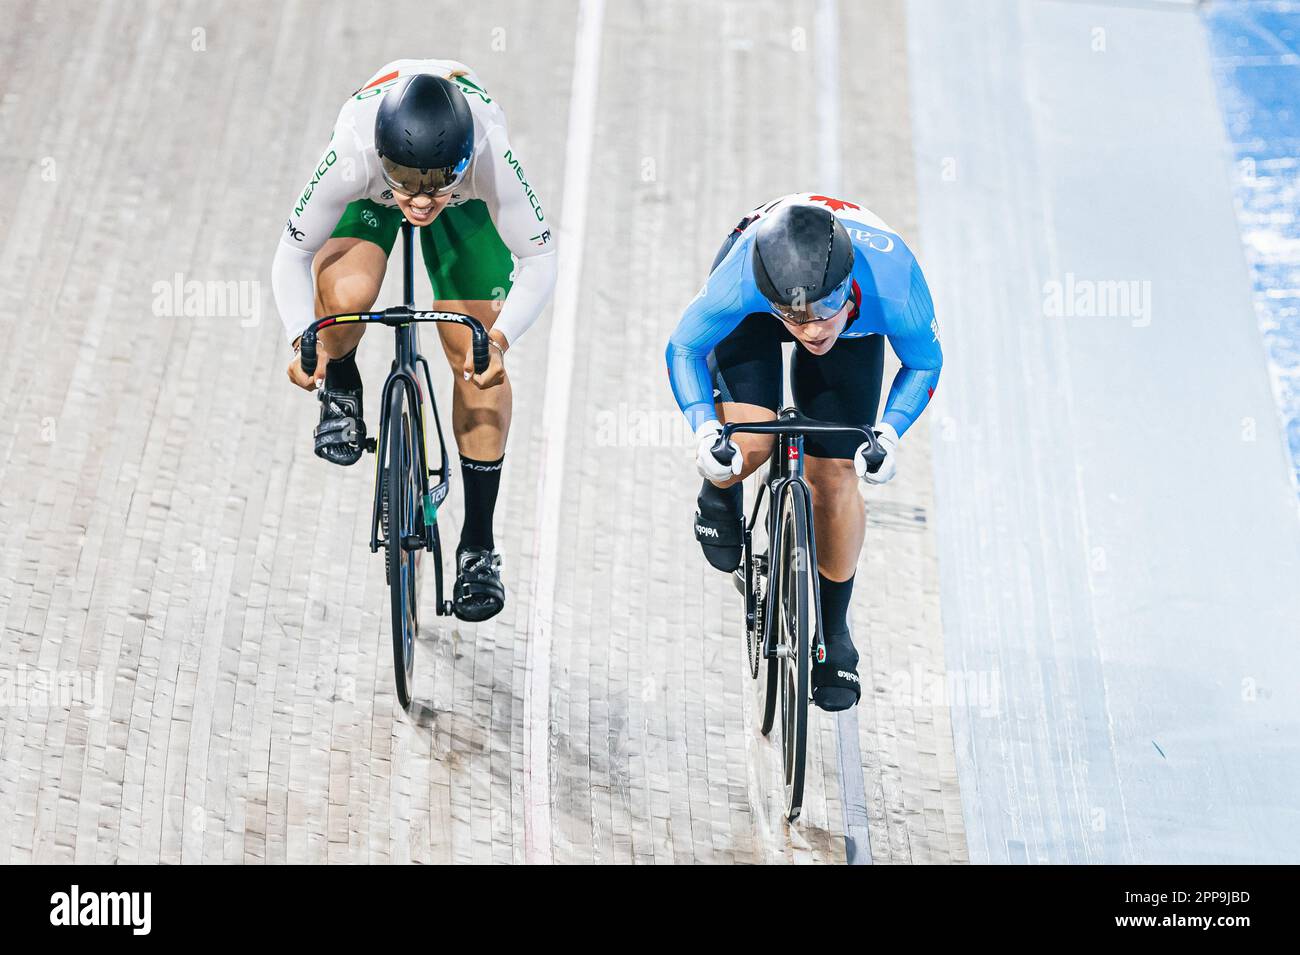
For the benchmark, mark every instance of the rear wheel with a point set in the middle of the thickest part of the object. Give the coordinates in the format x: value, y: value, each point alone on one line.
x: 793, y: 661
x: 403, y: 530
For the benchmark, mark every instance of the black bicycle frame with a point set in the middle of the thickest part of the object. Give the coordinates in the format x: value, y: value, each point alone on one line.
x: 784, y: 467
x: 403, y: 374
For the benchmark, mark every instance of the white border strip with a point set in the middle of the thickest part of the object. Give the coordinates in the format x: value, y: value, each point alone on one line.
x: 555, y: 425
x: 826, y: 33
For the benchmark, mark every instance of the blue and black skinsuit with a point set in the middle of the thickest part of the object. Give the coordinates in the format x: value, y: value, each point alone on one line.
x: 727, y: 346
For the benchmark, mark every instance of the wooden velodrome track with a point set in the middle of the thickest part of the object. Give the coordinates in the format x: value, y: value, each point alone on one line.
x: 195, y: 637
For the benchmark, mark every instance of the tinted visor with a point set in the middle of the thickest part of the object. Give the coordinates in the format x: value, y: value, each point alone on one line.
x: 826, y: 307
x: 413, y: 182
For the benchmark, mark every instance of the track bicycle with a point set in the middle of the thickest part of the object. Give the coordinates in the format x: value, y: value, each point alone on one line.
x: 404, y: 518
x: 779, y: 583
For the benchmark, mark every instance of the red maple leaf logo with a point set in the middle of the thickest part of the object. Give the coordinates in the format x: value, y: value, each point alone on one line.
x: 383, y: 79
x: 835, y: 205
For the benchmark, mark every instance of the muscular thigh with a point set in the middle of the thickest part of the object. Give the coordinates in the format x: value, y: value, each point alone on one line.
x: 746, y: 365
x: 349, y: 273
x: 842, y: 386
x: 746, y: 370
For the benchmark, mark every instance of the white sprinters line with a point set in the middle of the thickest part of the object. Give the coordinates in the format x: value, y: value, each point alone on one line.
x: 826, y: 45
x: 555, y: 417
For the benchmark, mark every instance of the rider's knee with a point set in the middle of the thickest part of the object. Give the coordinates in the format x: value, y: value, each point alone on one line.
x: 471, y: 393
x: 345, y: 292
x: 756, y: 448
x: 832, y: 477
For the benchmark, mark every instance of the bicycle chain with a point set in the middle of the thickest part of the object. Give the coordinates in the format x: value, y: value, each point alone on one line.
x: 754, y: 635
x: 383, y: 524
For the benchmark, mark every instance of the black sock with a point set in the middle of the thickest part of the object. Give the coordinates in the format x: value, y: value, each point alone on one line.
x: 836, y: 596
x: 482, y: 479
x: 342, y: 374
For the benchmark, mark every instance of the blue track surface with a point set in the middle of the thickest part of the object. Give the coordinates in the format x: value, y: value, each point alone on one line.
x: 1256, y: 53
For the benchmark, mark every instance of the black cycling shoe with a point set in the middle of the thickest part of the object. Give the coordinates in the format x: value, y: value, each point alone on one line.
x: 720, y: 525
x: 479, y: 593
x: 341, y: 434
x: 835, y: 679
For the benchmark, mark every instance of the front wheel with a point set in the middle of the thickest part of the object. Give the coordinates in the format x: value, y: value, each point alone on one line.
x: 794, y: 612
x: 403, y: 534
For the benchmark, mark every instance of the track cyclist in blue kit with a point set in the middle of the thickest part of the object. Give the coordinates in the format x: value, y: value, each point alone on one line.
x: 832, y: 277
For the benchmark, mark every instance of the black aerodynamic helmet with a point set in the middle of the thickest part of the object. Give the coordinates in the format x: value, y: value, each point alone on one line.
x: 803, y: 262
x: 424, y: 135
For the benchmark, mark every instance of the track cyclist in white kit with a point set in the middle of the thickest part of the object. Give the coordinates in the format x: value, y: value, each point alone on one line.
x: 422, y: 139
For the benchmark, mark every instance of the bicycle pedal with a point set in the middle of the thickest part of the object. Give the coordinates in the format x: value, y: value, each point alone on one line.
x: 371, y: 445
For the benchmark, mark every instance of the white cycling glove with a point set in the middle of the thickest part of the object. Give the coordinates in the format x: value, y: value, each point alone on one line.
x: 710, y: 468
x: 888, y: 438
